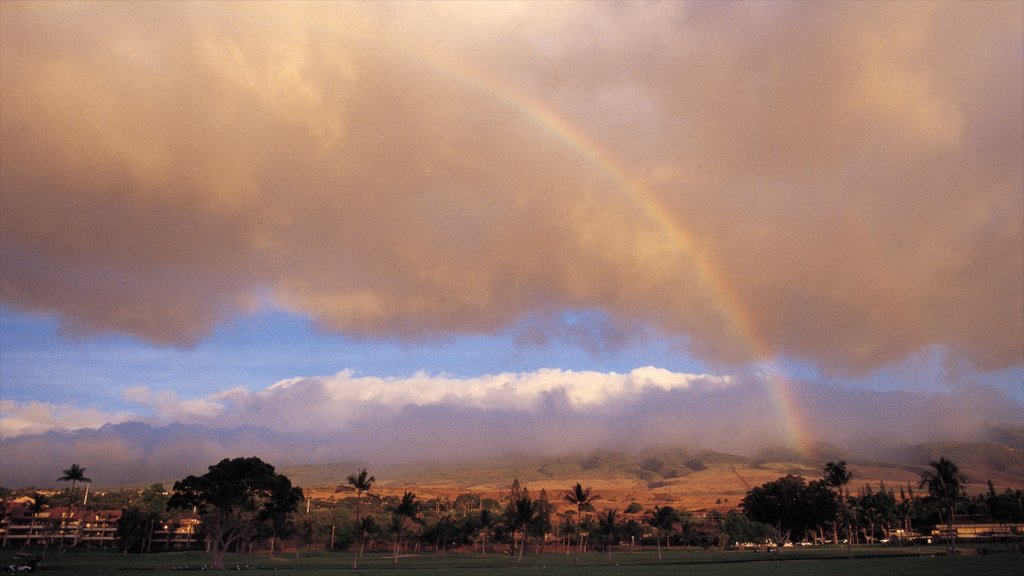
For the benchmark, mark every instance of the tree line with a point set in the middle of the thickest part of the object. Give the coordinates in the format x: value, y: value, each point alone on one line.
x: 246, y: 506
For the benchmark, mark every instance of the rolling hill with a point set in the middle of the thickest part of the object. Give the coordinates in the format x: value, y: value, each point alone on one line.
x: 689, y: 479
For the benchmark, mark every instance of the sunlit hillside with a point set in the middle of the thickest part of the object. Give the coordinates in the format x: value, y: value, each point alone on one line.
x: 691, y: 480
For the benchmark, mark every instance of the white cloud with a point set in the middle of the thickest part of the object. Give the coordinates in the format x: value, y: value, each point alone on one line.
x: 19, y: 418
x: 343, y: 417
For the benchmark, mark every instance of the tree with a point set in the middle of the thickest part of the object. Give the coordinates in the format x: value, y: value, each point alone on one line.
x: 74, y: 474
x: 945, y: 484
x: 520, y: 515
x: 837, y: 477
x: 741, y: 529
x: 362, y: 482
x: 407, y: 508
x: 367, y: 527
x: 487, y: 521
x: 234, y: 498
x: 541, y: 524
x: 583, y: 500
x: 790, y: 505
x: 608, y: 527
x: 662, y: 519
x: 141, y: 509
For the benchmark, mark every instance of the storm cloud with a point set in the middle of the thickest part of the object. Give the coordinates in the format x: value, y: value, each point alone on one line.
x: 840, y: 183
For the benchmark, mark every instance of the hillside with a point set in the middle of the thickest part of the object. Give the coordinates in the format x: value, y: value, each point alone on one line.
x: 692, y: 480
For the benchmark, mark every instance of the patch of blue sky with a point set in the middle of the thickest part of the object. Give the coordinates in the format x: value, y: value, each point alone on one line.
x: 42, y: 363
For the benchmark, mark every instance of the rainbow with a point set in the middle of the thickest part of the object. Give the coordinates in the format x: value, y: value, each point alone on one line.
x: 730, y: 305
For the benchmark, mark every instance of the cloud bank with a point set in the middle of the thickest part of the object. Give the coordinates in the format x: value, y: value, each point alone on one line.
x: 439, y: 418
x: 835, y: 182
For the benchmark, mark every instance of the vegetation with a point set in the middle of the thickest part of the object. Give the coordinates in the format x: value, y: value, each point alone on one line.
x: 582, y: 499
x: 362, y: 482
x: 246, y: 507
x: 945, y: 484
x: 235, y: 499
x: 74, y: 474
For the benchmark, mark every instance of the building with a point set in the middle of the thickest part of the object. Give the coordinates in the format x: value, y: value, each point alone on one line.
x: 21, y: 526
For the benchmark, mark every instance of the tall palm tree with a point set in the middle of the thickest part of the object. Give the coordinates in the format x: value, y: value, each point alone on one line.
x: 407, y: 508
x: 838, y: 476
x: 74, y: 474
x: 582, y: 499
x: 362, y: 482
x: 945, y: 483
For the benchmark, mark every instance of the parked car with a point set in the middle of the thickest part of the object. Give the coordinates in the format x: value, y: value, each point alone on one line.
x: 23, y: 563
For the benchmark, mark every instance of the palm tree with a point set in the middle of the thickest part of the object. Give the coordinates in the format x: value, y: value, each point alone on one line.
x: 367, y: 525
x: 582, y: 499
x: 74, y: 474
x: 407, y: 508
x: 837, y: 476
x: 486, y: 524
x: 662, y: 519
x: 523, y: 513
x: 608, y: 524
x: 945, y: 483
x: 362, y: 482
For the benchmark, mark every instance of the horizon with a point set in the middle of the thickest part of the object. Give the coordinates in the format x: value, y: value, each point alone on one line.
x: 336, y: 231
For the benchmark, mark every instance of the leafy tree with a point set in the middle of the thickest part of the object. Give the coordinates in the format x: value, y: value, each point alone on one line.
x: 790, y: 505
x: 153, y: 498
x: 945, y: 484
x: 133, y: 528
x: 234, y: 498
x: 739, y: 528
x: 363, y: 483
x: 140, y: 510
x: 1006, y: 506
x: 878, y: 509
x: 583, y: 500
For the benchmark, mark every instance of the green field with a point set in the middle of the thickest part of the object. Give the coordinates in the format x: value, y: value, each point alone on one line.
x: 796, y: 562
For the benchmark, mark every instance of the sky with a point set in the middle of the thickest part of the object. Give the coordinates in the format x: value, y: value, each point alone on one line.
x: 388, y: 231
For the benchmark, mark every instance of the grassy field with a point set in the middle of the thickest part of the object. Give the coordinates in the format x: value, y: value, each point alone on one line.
x: 830, y: 561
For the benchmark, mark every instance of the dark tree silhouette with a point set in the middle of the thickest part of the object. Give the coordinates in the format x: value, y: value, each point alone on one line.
x: 945, y: 484
x: 790, y: 505
x: 234, y: 499
x: 837, y: 477
x: 583, y: 500
x: 407, y: 508
x: 662, y: 519
x: 608, y: 526
x: 363, y: 483
x: 74, y: 474
x: 520, y: 516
